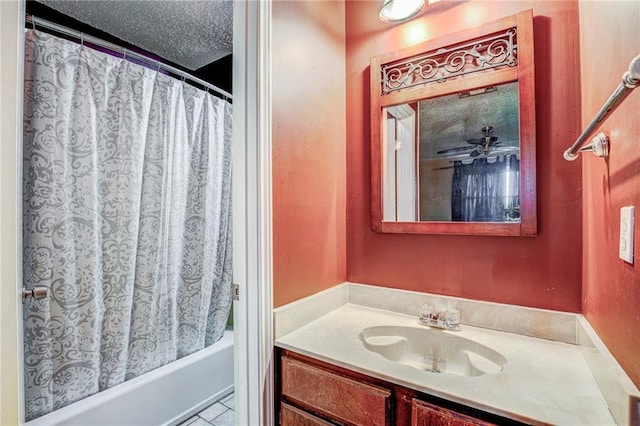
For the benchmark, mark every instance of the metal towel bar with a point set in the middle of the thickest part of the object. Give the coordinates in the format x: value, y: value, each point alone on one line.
x: 599, y: 144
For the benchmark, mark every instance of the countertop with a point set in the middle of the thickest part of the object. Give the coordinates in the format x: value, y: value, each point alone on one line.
x: 543, y: 380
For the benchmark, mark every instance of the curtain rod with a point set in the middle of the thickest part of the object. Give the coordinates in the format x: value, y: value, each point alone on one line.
x: 35, y: 21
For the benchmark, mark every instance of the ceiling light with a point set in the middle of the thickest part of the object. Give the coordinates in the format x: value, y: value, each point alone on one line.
x: 399, y: 10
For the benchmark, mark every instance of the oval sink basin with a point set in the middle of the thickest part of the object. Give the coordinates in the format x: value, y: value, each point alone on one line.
x: 432, y: 350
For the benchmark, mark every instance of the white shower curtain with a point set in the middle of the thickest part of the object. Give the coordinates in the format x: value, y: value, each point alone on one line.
x: 126, y: 219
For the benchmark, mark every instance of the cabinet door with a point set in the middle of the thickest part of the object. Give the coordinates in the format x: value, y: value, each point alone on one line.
x: 334, y: 396
x: 424, y: 414
x: 291, y: 416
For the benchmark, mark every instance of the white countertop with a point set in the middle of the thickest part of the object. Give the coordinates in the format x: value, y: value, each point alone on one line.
x: 543, y: 380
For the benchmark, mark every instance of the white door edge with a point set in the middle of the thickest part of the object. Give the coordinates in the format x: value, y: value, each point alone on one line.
x: 11, y: 92
x: 252, y: 265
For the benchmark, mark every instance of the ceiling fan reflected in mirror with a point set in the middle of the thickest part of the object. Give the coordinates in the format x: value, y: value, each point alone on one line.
x: 484, y: 145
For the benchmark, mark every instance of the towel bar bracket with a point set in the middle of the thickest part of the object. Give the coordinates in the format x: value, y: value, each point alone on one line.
x: 631, y: 78
x: 629, y: 81
x: 599, y: 146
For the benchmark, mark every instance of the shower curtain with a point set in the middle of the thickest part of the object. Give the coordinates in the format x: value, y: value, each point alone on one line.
x: 126, y: 219
x: 484, y: 191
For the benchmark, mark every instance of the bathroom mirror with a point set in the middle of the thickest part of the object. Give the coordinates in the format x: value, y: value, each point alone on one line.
x: 453, y: 134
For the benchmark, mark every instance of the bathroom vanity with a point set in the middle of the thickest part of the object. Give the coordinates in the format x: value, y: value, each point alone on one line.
x: 312, y: 392
x: 358, y: 364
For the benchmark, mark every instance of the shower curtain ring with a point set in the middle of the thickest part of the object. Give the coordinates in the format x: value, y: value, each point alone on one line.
x: 33, y: 22
x: 81, y: 39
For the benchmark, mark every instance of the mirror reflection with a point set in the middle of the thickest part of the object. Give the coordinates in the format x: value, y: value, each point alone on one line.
x: 453, y: 158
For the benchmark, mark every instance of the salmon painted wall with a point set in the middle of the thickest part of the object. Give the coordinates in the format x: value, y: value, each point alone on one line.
x: 610, y: 38
x: 309, y: 154
x: 542, y: 271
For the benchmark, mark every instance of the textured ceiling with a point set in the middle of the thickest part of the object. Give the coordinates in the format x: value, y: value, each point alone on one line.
x: 191, y: 33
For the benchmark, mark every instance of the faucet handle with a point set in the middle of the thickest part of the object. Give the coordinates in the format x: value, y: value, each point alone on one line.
x: 426, y: 310
x: 452, y: 318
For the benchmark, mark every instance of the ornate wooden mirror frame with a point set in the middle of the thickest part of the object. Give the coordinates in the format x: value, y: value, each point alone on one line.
x: 409, y: 76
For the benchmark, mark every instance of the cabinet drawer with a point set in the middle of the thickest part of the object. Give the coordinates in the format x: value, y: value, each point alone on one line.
x: 334, y: 396
x: 291, y: 416
x: 424, y: 414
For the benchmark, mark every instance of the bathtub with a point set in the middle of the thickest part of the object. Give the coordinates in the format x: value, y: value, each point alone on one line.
x: 164, y: 396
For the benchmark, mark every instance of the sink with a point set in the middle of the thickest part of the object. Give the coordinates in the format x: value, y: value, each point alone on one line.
x: 432, y: 350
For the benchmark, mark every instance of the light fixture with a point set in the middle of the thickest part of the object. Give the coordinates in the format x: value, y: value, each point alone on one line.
x: 399, y: 10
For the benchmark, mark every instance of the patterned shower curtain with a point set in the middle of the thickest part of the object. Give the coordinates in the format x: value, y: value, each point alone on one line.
x: 126, y: 219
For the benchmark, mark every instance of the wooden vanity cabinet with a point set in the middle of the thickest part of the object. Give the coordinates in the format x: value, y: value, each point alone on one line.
x: 332, y: 395
x: 425, y: 414
x: 311, y: 392
x: 290, y: 415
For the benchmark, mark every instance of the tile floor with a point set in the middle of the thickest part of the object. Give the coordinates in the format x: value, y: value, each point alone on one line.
x: 220, y: 413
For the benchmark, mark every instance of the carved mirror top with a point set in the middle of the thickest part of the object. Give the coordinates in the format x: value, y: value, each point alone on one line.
x: 437, y: 66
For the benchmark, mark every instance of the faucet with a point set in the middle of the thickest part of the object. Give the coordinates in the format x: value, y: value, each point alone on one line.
x: 446, y: 320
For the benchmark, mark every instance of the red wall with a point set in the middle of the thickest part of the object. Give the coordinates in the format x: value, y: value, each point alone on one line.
x: 611, y: 287
x: 309, y: 158
x: 312, y: 242
x: 542, y: 271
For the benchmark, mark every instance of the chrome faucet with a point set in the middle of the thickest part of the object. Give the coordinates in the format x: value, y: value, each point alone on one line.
x: 447, y: 320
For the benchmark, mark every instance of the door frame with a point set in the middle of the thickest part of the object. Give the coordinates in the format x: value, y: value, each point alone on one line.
x: 11, y: 85
x: 252, y: 224
x: 251, y: 212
